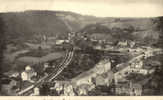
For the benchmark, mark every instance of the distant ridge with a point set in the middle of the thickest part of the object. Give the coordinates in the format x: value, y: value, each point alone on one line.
x: 28, y: 23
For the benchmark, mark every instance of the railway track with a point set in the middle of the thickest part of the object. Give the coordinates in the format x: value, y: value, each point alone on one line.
x: 58, y: 69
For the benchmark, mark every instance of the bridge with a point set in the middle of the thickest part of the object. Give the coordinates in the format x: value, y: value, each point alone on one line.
x: 48, y: 78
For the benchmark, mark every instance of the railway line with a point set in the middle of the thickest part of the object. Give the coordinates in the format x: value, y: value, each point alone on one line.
x: 48, y: 78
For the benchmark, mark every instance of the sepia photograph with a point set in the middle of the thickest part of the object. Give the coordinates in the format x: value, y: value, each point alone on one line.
x: 81, y: 48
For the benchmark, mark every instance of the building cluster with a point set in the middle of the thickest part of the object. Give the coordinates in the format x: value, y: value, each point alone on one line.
x: 122, y: 71
x: 126, y: 43
x: 67, y: 40
x: 101, y: 74
x: 17, y: 79
x: 125, y: 69
x: 129, y: 88
x: 107, y: 45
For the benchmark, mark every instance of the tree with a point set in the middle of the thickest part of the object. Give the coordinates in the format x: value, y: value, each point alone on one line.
x: 159, y: 73
x: 2, y: 48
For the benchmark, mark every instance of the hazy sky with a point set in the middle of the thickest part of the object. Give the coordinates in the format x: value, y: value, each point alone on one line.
x: 102, y: 8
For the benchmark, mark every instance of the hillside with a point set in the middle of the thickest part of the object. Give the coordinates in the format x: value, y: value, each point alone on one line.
x: 24, y: 25
x: 137, y: 29
x: 30, y: 23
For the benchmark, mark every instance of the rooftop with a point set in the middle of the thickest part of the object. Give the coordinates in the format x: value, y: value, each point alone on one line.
x: 90, y: 72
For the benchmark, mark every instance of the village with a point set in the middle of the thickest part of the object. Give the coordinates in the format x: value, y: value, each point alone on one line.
x: 119, y: 78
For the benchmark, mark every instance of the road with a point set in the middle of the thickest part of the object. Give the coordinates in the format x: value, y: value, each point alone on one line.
x: 145, y: 54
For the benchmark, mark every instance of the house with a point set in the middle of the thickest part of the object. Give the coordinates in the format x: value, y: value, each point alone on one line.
x: 131, y: 44
x: 61, y: 87
x: 123, y: 43
x: 137, y: 64
x: 83, y: 89
x: 141, y: 71
x: 122, y: 88
x: 59, y: 42
x: 104, y: 79
x: 109, y: 47
x: 141, y: 68
x: 136, y: 89
x: 86, y: 77
x: 28, y: 74
x: 83, y: 83
x: 9, y: 88
x: 98, y: 47
x: 139, y: 50
x: 99, y: 80
x: 64, y: 88
x: 125, y: 68
x: 68, y: 90
x: 122, y: 71
x: 128, y: 88
x: 46, y: 65
x: 12, y: 74
x: 36, y: 92
x: 71, y: 35
x: 103, y: 66
x: 148, y: 54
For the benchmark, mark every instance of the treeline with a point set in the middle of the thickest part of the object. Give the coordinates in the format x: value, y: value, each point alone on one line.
x: 2, y: 48
x: 159, y: 72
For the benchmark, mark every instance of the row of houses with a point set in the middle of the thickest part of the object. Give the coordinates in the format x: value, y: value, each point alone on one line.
x: 101, y: 74
x: 131, y: 87
x: 127, y: 87
x: 126, y: 43
x: 125, y: 69
x: 25, y: 77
